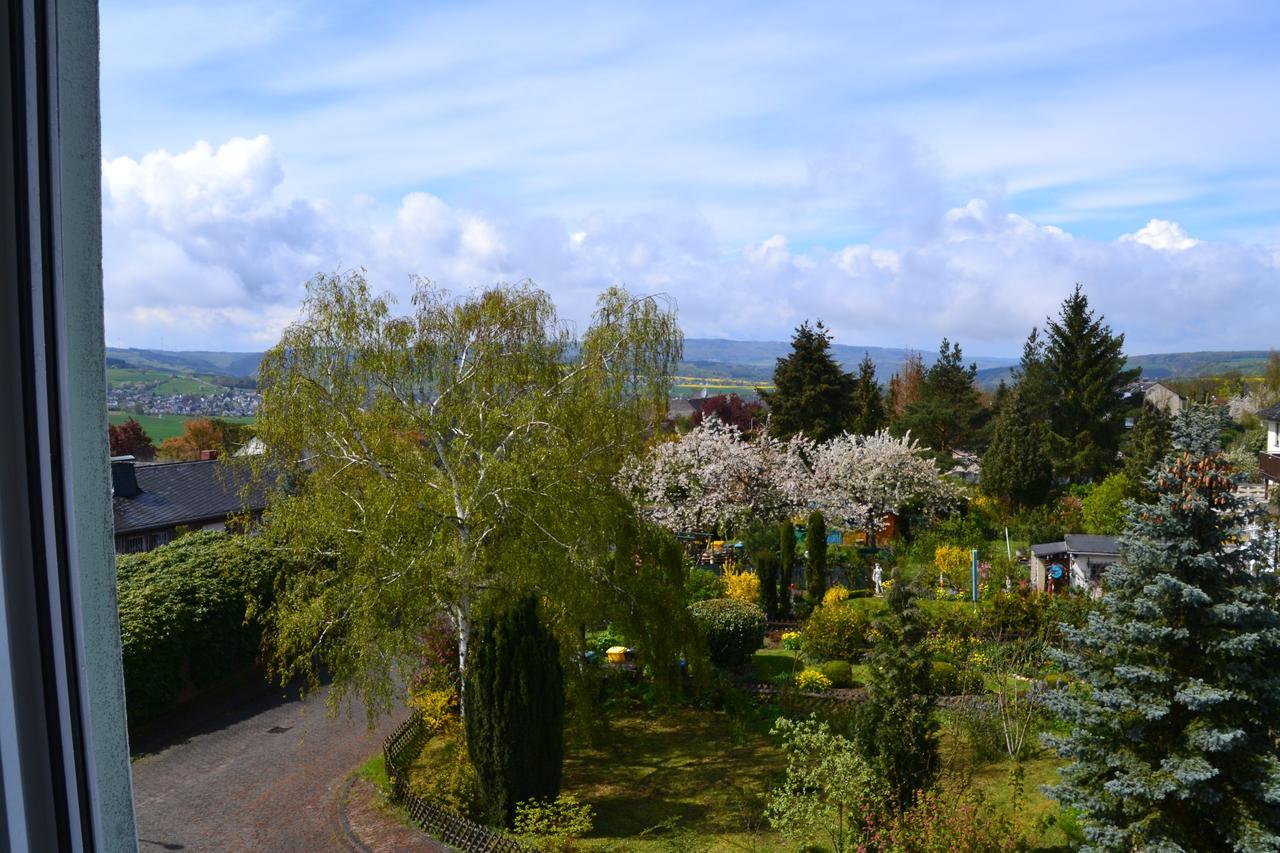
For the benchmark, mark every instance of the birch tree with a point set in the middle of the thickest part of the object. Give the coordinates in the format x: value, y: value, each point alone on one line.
x: 422, y: 461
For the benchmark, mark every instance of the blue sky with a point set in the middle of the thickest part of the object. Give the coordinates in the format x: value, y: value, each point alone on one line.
x: 938, y: 169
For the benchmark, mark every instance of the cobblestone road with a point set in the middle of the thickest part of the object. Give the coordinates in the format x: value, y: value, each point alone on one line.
x: 256, y: 772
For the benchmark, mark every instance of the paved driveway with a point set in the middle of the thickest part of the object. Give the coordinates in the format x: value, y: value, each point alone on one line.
x: 255, y: 770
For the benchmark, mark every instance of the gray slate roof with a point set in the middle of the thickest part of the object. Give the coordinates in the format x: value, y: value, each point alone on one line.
x: 1080, y: 543
x: 183, y: 493
x: 1270, y: 413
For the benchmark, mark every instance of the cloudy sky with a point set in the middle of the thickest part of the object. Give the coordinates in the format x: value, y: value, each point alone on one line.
x: 940, y: 169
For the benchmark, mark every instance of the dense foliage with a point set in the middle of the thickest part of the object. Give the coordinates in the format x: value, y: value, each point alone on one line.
x: 871, y: 416
x: 514, y: 695
x: 835, y: 632
x: 948, y: 415
x: 1172, y: 743
x: 1017, y: 467
x: 812, y: 394
x: 1149, y: 442
x: 897, y: 732
x: 189, y: 614
x: 1106, y: 507
x: 130, y: 439
x: 767, y: 572
x: 733, y: 629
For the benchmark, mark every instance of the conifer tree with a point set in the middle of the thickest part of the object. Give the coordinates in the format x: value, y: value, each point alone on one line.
x: 869, y: 401
x: 514, y: 695
x: 787, y: 554
x: 1086, y: 411
x: 1149, y: 442
x: 897, y: 734
x: 815, y: 575
x: 767, y: 571
x: 1171, y: 743
x: 948, y: 414
x: 904, y: 388
x: 1017, y: 467
x: 812, y: 393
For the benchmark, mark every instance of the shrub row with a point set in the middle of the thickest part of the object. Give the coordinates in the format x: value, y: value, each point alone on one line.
x: 183, y: 614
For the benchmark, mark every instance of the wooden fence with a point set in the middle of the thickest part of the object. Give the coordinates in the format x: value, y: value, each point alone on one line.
x: 398, y: 751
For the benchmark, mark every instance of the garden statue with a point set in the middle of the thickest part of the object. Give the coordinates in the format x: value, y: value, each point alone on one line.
x: 876, y: 575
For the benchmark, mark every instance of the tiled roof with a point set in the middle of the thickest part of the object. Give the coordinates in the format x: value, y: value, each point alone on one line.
x: 182, y: 493
x: 1081, y: 543
x: 1270, y: 413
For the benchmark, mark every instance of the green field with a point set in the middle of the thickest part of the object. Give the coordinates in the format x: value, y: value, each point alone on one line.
x: 160, y: 427
x: 168, y: 383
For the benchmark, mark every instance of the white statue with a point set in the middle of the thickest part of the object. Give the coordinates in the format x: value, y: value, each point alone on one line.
x: 876, y: 575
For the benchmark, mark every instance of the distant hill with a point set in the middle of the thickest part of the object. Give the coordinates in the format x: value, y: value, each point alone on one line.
x: 194, y: 361
x: 747, y: 362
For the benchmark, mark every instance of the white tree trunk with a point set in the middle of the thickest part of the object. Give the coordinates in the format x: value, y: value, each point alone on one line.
x: 462, y: 622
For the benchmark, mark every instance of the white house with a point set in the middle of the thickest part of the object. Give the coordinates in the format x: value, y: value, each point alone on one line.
x: 1269, y: 460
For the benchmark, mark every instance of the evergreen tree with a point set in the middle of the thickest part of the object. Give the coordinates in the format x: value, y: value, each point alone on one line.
x: 1172, y: 742
x: 815, y: 575
x: 787, y: 553
x: 1016, y: 467
x: 812, y: 394
x: 767, y: 570
x: 1086, y: 412
x: 1149, y: 442
x: 871, y: 416
x: 897, y: 734
x: 1034, y: 378
x: 514, y: 696
x: 949, y: 413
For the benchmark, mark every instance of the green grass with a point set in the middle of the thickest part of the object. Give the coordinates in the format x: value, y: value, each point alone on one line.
x: 161, y: 382
x: 375, y: 771
x: 160, y: 427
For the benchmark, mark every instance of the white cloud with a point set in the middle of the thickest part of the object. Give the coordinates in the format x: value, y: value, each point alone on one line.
x: 1163, y: 235
x: 203, y: 252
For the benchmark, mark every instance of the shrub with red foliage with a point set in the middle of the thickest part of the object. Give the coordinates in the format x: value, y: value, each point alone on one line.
x: 130, y: 439
x: 730, y: 409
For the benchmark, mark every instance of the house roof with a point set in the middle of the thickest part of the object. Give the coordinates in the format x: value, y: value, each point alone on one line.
x: 1081, y: 543
x: 1270, y: 413
x: 182, y: 493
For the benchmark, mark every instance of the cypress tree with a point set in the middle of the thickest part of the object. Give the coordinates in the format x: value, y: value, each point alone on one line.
x: 514, y: 709
x: 1086, y: 412
x: 871, y: 416
x: 812, y: 393
x: 1149, y: 443
x: 896, y: 732
x: 815, y: 576
x: 767, y: 571
x: 1016, y: 468
x: 1171, y: 743
x: 787, y: 552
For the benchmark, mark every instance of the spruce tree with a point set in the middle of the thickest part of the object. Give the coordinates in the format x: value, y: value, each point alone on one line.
x: 812, y: 393
x: 1017, y: 467
x: 514, y: 699
x: 897, y: 734
x: 949, y: 414
x: 1086, y: 412
x: 1171, y: 741
x: 787, y: 554
x: 1149, y: 442
x: 815, y: 574
x: 869, y: 401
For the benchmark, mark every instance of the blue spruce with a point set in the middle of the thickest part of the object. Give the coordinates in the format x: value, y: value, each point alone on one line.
x: 1171, y: 741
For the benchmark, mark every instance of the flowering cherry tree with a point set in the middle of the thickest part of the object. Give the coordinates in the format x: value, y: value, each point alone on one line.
x: 868, y: 477
x: 712, y: 477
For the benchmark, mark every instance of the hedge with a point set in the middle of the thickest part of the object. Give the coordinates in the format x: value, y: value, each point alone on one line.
x: 733, y: 629
x: 835, y: 632
x: 183, y: 613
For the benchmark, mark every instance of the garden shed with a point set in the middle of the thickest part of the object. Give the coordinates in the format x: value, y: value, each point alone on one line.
x: 1076, y: 562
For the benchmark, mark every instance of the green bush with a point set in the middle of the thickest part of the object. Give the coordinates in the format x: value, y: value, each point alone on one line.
x: 188, y: 614
x: 840, y: 672
x: 703, y: 585
x: 837, y: 632
x: 733, y: 629
x: 950, y: 680
x: 1017, y: 613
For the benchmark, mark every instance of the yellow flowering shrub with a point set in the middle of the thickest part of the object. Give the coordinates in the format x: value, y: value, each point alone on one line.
x: 791, y: 640
x: 835, y: 595
x: 953, y: 561
x: 438, y: 707
x: 744, y: 586
x: 812, y: 681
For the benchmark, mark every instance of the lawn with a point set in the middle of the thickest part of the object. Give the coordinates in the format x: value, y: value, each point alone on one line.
x: 160, y: 427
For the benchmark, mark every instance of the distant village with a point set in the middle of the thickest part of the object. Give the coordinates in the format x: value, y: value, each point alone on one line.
x: 214, y: 402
